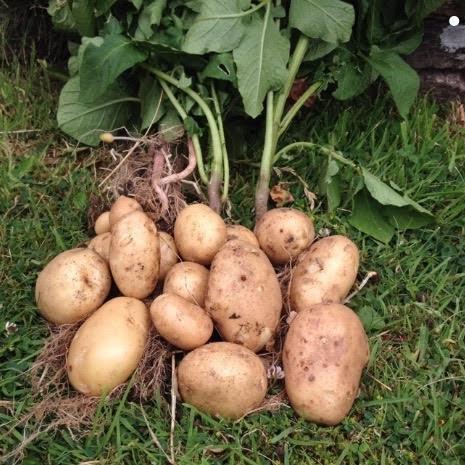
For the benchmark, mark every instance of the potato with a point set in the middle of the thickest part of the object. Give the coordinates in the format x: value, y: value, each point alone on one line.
x: 122, y: 206
x: 135, y: 255
x: 325, y: 351
x: 236, y: 231
x: 222, y: 379
x: 199, y: 233
x: 180, y: 322
x: 168, y: 254
x: 108, y: 347
x: 102, y: 223
x: 243, y: 296
x: 101, y: 245
x: 188, y: 280
x: 72, y: 286
x: 325, y: 273
x: 283, y: 233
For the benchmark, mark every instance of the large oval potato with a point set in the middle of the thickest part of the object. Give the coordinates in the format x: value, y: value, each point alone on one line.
x: 222, y: 379
x: 72, y: 286
x: 135, y: 255
x: 101, y: 245
x: 199, y: 233
x: 108, y: 347
x: 239, y: 232
x: 325, y: 351
x: 180, y: 322
x: 188, y: 280
x: 168, y: 254
x: 283, y: 233
x: 243, y: 296
x: 102, y: 223
x: 325, y: 273
x: 121, y: 207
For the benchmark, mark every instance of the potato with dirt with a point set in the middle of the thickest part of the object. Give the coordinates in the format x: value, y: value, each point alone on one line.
x: 222, y: 379
x: 168, y: 254
x: 325, y: 352
x: 102, y: 223
x: 72, y: 286
x: 244, y: 296
x: 101, y: 245
x: 325, y: 273
x: 239, y: 232
x: 121, y: 207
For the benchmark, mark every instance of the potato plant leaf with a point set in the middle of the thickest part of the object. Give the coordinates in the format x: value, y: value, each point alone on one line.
x: 83, y: 14
x: 352, y: 80
x: 220, y: 66
x: 150, y: 16
x: 152, y: 106
x: 318, y: 49
x: 330, y: 185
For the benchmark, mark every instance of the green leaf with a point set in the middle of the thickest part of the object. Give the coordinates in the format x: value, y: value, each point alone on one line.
x: 328, y: 20
x: 111, y: 26
x: 150, y: 16
x: 408, y: 45
x: 403, y: 81
x: 84, y: 121
x: 61, y: 14
x: 137, y: 3
x: 220, y: 66
x: 101, y: 65
x: 261, y: 61
x: 371, y: 319
x: 330, y: 185
x: 192, y: 127
x: 406, y: 217
x: 352, y: 80
x: 102, y: 6
x: 151, y: 103
x: 420, y: 9
x: 83, y: 14
x: 318, y: 49
x: 218, y: 28
x: 74, y: 63
x: 170, y: 127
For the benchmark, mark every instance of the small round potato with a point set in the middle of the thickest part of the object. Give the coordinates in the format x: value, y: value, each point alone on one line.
x: 108, y: 347
x: 122, y: 206
x: 188, y: 280
x: 237, y: 231
x: 222, y: 379
x: 72, y: 286
x: 101, y: 245
x: 325, y: 351
x: 199, y: 233
x: 283, y: 233
x: 102, y: 223
x: 180, y: 322
x: 168, y: 254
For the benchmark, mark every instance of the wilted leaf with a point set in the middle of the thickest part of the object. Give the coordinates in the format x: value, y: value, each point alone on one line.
x: 280, y: 195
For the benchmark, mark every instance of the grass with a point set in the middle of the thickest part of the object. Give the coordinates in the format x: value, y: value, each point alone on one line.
x: 411, y: 407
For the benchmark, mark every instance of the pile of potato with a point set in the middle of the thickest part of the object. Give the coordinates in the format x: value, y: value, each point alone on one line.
x: 226, y: 280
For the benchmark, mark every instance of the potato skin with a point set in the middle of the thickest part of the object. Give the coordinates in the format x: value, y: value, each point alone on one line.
x: 325, y: 273
x: 108, y: 347
x: 222, y: 379
x: 199, y: 232
x: 239, y: 232
x: 188, y: 280
x: 72, y: 286
x: 168, y: 254
x: 102, y: 223
x: 325, y: 351
x: 101, y: 245
x: 180, y: 322
x: 283, y: 233
x: 135, y: 255
x: 244, y: 297
x: 122, y: 206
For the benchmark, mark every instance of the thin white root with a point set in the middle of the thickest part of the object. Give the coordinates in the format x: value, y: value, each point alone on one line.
x: 369, y: 275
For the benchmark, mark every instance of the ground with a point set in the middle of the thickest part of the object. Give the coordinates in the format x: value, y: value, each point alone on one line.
x: 411, y: 407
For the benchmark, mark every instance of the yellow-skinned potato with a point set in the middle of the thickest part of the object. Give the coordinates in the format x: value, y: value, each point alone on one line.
x: 108, y: 347
x: 244, y: 297
x: 102, y: 223
x: 168, y: 254
x: 325, y: 273
x: 135, y: 255
x: 122, y: 206
x: 101, y: 245
x: 199, y: 233
x: 180, y: 322
x: 239, y: 232
x: 72, y: 286
x: 283, y: 233
x: 188, y: 280
x: 325, y: 351
x: 222, y: 379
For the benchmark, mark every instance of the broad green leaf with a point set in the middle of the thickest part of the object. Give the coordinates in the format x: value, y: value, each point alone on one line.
x: 151, y: 102
x: 85, y: 121
x: 149, y: 16
x: 328, y: 20
x: 406, y: 217
x: 261, y: 61
x: 101, y: 65
x: 111, y: 26
x: 137, y: 3
x: 61, y: 14
x: 403, y: 81
x: 102, y: 6
x: 408, y: 45
x: 218, y: 28
x: 352, y: 80
x: 318, y: 49
x: 221, y: 66
x: 371, y: 319
x: 83, y: 14
x: 192, y: 127
x: 74, y: 63
x: 170, y: 127
x: 330, y: 185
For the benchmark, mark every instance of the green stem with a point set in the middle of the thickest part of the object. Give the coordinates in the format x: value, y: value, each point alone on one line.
x: 235, y: 15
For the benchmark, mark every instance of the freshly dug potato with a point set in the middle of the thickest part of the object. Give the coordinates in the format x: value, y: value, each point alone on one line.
x: 237, y: 231
x: 102, y: 223
x: 101, y: 245
x: 325, y: 273
x: 325, y: 351
x: 135, y: 255
x: 108, y: 346
x: 188, y: 280
x: 199, y: 233
x: 168, y: 254
x: 122, y: 206
x: 222, y: 379
x: 243, y: 296
x: 72, y: 286
x: 180, y: 322
x: 283, y: 233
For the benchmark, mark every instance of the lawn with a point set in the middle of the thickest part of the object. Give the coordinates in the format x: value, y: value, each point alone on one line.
x: 411, y: 407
